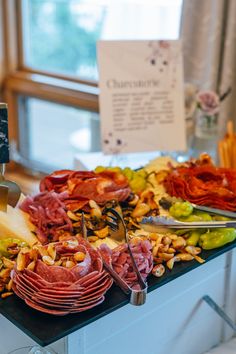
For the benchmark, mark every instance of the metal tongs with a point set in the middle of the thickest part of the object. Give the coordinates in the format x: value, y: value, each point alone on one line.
x: 162, y: 224
x: 117, y: 225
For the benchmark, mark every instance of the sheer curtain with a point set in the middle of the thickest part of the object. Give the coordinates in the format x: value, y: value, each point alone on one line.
x: 208, y: 33
x: 1, y: 49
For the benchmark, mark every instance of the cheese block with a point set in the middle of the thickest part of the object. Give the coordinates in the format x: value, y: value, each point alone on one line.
x: 15, y: 224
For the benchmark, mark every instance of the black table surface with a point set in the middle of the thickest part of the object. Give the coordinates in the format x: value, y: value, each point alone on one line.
x: 46, y: 329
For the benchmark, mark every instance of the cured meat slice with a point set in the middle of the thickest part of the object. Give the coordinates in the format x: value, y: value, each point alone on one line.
x: 49, y: 297
x: 106, y: 253
x: 46, y: 309
x: 58, y: 290
x: 83, y: 186
x: 59, y: 294
x: 203, y: 185
x: 54, y: 273
x: 122, y: 263
x: 47, y: 212
x: 52, y: 304
x: 84, y: 308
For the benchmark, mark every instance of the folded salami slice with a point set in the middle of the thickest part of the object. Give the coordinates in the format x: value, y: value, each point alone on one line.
x: 46, y: 309
x: 203, y: 184
x: 57, y: 289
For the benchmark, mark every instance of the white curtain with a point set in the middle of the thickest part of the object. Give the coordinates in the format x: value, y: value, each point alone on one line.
x: 1, y: 48
x: 208, y: 33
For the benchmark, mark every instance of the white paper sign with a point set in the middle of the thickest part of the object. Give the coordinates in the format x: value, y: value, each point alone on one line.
x: 141, y: 96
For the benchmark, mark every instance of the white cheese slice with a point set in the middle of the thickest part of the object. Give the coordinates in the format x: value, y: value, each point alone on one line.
x: 15, y: 224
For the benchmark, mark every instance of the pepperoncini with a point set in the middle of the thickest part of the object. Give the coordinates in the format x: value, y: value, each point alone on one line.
x: 193, y: 238
x: 217, y: 238
x: 181, y: 209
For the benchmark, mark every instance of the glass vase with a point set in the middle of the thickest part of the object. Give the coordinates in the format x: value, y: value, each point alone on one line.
x: 206, y: 135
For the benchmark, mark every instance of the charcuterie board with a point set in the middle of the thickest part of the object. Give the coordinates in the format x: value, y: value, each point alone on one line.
x: 46, y: 329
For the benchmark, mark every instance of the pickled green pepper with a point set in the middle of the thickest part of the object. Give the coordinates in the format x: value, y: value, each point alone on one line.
x: 217, y: 238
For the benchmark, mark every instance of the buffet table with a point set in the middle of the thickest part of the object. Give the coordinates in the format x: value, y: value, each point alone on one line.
x: 174, y: 319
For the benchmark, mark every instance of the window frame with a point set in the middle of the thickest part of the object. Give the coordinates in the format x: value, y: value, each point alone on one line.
x: 21, y: 80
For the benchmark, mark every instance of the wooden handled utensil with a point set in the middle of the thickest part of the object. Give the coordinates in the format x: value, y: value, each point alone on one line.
x: 9, y: 191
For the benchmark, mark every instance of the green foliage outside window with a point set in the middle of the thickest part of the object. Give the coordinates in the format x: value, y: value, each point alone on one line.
x: 59, y: 41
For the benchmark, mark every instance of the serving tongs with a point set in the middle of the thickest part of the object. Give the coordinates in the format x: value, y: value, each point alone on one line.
x: 118, y: 228
x: 229, y: 214
x: 163, y: 223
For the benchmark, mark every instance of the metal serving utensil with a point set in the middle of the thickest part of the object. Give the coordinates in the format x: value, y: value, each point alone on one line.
x: 9, y: 191
x: 119, y: 233
x: 163, y: 223
x: 229, y: 214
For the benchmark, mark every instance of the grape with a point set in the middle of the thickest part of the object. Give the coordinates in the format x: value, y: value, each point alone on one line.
x: 99, y: 169
x: 115, y: 169
x: 136, y: 179
x: 141, y: 173
x: 137, y: 184
x: 128, y: 173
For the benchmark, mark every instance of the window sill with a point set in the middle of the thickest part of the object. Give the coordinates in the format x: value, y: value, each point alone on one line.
x: 29, y: 185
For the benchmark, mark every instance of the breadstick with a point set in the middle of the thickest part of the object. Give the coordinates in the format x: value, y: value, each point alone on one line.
x: 230, y: 128
x: 234, y: 156
x: 221, y: 153
x: 226, y: 153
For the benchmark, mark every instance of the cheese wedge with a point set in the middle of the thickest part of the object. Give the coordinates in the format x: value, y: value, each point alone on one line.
x: 15, y: 224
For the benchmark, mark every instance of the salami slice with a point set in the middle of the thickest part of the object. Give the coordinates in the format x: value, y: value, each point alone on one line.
x: 45, y: 309
x: 54, y: 273
x: 59, y: 290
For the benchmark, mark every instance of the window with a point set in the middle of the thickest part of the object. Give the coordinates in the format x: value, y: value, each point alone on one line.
x: 51, y: 86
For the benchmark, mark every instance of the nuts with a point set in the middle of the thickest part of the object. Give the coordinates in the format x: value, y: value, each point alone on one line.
x: 9, y: 285
x: 103, y: 233
x: 179, y: 243
x: 69, y: 264
x: 5, y: 273
x: 21, y: 261
x: 193, y: 250
x: 158, y: 270
x: 31, y: 265
x: 48, y: 260
x: 79, y: 256
x: 134, y: 200
x: 72, y: 216
x: 92, y: 238
x: 153, y: 236
x: 141, y: 209
x: 52, y: 251
x: 8, y: 263
x: 166, y: 240
x: 4, y: 295
x: 170, y: 263
x: 42, y: 251
x: 95, y: 209
x: 165, y: 256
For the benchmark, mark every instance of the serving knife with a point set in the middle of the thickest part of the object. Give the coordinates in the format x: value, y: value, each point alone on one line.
x: 9, y: 191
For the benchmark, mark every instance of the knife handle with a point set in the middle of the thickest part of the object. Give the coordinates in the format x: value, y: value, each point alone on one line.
x: 4, y: 142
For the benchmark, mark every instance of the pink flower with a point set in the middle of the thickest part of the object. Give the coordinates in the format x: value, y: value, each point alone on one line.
x: 209, y: 102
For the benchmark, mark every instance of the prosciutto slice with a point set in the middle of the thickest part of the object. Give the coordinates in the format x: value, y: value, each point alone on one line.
x: 47, y: 211
x: 121, y: 262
